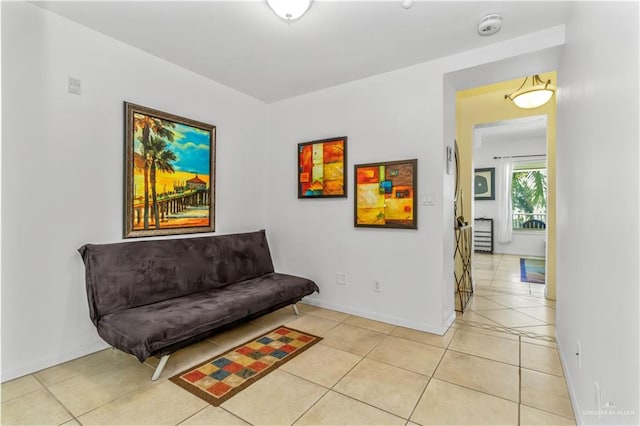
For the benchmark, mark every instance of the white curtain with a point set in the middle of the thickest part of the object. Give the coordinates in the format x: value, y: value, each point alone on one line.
x: 504, y: 224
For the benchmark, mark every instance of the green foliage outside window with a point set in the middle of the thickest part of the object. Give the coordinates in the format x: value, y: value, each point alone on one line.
x: 529, y: 196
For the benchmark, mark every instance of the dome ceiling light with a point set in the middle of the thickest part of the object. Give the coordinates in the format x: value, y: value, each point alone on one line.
x: 533, y: 96
x: 407, y: 3
x: 289, y: 10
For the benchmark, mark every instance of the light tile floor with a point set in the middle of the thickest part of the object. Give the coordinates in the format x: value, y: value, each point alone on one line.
x: 497, y: 365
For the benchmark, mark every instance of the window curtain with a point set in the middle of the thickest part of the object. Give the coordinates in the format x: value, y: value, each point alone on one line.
x: 504, y: 231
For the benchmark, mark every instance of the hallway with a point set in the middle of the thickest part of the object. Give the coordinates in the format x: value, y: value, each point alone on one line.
x: 501, y: 301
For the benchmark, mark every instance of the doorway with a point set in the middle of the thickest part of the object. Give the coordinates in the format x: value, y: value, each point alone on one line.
x: 484, y: 109
x: 509, y: 200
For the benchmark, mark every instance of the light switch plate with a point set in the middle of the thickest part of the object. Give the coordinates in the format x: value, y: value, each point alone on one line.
x: 427, y: 198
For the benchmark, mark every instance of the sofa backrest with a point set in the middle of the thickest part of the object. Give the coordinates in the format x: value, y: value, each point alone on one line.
x: 130, y: 274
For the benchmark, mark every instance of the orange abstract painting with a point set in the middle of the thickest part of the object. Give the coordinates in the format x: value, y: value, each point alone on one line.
x: 386, y: 194
x: 321, y: 168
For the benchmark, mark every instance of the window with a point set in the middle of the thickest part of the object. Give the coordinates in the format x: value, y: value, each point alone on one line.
x: 529, y: 198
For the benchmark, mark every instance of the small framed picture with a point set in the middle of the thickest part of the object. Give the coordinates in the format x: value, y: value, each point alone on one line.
x: 322, y: 169
x: 484, y: 183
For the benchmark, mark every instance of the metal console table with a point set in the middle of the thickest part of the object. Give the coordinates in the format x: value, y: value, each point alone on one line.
x: 462, y: 263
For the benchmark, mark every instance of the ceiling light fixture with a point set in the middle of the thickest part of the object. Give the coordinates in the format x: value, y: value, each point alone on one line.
x: 532, y: 97
x: 407, y: 3
x: 289, y: 10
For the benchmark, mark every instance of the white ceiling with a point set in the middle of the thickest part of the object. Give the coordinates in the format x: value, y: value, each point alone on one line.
x: 509, y: 131
x: 243, y: 45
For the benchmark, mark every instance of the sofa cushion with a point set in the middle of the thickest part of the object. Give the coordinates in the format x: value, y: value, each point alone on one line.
x: 144, y: 330
x: 258, y: 294
x: 126, y: 275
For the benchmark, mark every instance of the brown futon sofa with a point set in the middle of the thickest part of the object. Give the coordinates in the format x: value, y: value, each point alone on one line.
x: 151, y: 298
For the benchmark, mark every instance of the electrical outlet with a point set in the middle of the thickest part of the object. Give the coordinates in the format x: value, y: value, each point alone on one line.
x: 377, y: 287
x: 341, y: 278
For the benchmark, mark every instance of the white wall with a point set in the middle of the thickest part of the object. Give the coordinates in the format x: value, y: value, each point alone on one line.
x: 385, y: 118
x: 398, y: 115
x: 524, y: 242
x: 62, y: 169
x: 597, y: 299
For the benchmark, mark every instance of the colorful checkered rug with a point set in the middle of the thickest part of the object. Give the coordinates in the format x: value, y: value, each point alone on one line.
x: 221, y: 377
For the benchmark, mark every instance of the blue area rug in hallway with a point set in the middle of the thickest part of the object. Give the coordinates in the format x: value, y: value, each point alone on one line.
x: 532, y: 270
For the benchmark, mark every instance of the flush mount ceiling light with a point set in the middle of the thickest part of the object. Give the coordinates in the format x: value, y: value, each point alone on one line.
x: 407, y: 3
x: 533, y: 96
x: 289, y: 10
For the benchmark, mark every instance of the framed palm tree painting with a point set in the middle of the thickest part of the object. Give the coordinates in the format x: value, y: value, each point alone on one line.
x: 169, y: 174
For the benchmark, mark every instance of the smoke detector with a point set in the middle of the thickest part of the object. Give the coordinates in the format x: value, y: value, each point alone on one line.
x: 490, y: 24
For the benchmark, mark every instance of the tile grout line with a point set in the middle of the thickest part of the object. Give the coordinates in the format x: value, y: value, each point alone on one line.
x: 422, y: 343
x: 413, y: 410
x: 234, y: 414
x: 354, y: 367
x: 467, y: 387
x: 482, y: 357
x: 125, y: 395
x: 369, y: 329
x: 519, y: 378
x: 441, y: 379
x: 332, y: 388
x: 401, y: 368
x: 518, y: 312
x: 515, y: 331
x: 312, y: 405
x: 24, y: 394
x: 550, y: 412
x: 192, y: 415
x: 432, y: 375
x: 519, y: 365
x: 46, y: 388
x: 369, y: 404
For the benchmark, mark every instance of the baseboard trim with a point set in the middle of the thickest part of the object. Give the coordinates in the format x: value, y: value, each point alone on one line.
x: 389, y: 319
x: 577, y: 412
x: 47, y: 361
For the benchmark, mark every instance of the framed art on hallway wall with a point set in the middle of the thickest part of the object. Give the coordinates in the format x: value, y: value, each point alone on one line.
x: 484, y: 183
x: 322, y: 169
x: 385, y: 194
x: 169, y: 174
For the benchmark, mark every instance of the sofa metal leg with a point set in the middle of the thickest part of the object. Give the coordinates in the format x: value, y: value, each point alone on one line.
x: 160, y: 367
x: 295, y: 309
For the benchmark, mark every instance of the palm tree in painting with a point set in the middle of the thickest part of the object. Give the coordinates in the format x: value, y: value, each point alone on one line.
x: 159, y: 158
x: 149, y: 125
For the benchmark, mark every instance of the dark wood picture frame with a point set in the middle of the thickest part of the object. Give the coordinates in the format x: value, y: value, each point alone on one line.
x: 484, y: 184
x: 169, y: 167
x: 386, y: 194
x: 322, y: 168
